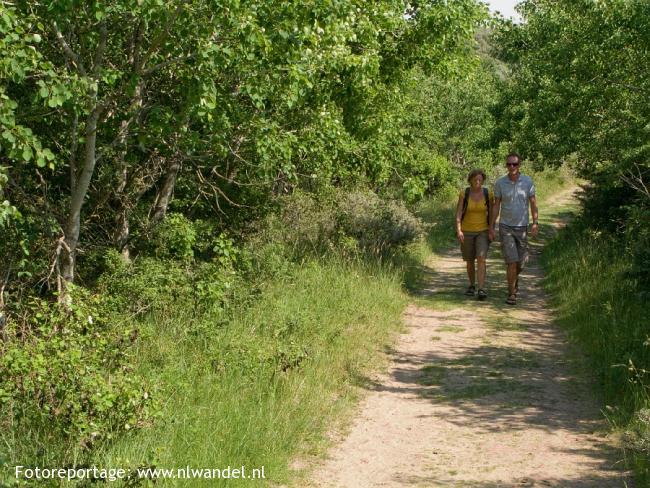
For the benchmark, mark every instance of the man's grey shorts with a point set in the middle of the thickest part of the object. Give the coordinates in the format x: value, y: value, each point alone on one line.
x: 475, y: 245
x: 514, y: 243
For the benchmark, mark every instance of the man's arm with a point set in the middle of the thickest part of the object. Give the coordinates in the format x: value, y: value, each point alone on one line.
x: 496, y: 208
x: 535, y: 214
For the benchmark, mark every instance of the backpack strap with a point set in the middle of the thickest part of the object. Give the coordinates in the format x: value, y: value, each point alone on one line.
x: 486, y: 195
x: 465, y: 202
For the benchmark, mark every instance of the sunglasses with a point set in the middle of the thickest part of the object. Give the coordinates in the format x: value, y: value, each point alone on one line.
x: 512, y: 164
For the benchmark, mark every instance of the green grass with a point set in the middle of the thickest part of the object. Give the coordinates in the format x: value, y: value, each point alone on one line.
x: 599, y: 304
x: 500, y: 323
x: 265, y: 386
x: 450, y: 328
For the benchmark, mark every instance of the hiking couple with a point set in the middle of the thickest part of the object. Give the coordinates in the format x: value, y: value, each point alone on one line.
x: 476, y: 215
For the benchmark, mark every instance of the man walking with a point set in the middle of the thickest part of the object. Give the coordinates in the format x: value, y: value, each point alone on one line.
x: 513, y: 194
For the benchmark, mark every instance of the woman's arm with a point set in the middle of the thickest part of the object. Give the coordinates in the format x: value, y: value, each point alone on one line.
x: 459, y: 213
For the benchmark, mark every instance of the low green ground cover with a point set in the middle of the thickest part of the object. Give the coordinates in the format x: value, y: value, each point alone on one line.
x: 601, y: 303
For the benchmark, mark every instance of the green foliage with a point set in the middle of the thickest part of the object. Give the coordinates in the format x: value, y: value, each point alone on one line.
x: 20, y: 58
x: 349, y: 223
x: 577, y: 94
x: 339, y: 96
x: 175, y: 237
x: 592, y: 278
x: 154, y: 285
x: 7, y: 211
x: 66, y: 379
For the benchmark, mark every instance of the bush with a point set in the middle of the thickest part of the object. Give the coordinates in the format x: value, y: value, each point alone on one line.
x: 348, y: 223
x: 156, y: 285
x: 377, y: 225
x: 638, y: 239
x: 174, y: 237
x: 65, y: 376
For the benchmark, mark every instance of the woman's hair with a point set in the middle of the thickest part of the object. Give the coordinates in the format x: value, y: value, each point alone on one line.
x: 474, y: 173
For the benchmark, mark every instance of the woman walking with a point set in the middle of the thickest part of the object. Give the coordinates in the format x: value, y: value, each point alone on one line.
x: 472, y: 225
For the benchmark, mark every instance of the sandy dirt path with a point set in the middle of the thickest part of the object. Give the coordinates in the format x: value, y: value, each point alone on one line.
x: 478, y: 394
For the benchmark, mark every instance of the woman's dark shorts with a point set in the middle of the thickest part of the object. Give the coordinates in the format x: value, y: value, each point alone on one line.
x: 475, y: 245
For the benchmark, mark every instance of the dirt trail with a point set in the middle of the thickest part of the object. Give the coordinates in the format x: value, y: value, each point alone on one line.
x: 479, y: 394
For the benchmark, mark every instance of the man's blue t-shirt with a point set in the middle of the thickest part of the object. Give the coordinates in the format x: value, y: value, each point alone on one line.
x: 514, y: 197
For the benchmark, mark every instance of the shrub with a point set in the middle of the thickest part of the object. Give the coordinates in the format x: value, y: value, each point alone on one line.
x: 156, y: 285
x: 377, y: 225
x: 348, y: 223
x: 174, y: 237
x: 65, y: 375
x: 638, y: 238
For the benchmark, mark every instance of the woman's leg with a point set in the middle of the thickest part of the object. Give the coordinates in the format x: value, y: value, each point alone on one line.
x: 471, y: 272
x: 481, y: 271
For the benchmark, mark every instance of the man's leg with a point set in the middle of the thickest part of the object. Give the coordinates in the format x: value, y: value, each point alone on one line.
x: 513, y: 271
x: 511, y: 256
x: 520, y: 267
x: 522, y: 250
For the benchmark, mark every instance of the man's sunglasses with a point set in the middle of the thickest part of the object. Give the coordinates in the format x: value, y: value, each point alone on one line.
x: 512, y: 164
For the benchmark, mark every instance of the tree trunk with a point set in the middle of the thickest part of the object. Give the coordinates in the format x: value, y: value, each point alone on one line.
x: 165, y: 193
x: 78, y: 194
x: 121, y: 235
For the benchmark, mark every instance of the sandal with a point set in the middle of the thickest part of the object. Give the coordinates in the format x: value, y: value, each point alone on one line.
x: 482, y: 295
x: 470, y: 291
x: 511, y: 300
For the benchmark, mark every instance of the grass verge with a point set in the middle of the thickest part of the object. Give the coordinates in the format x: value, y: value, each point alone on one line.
x: 264, y: 387
x: 599, y: 303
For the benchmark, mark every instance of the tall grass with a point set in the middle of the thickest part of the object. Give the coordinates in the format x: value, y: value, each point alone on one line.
x: 599, y: 303
x: 259, y: 389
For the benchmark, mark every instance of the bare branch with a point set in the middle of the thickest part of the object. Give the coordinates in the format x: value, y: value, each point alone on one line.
x: 70, y: 54
x: 60, y: 245
x: 218, y: 190
x: 636, y: 181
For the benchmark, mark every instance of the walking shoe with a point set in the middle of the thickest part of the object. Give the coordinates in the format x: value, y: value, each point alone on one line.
x: 482, y: 294
x: 470, y: 290
x: 511, y: 300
